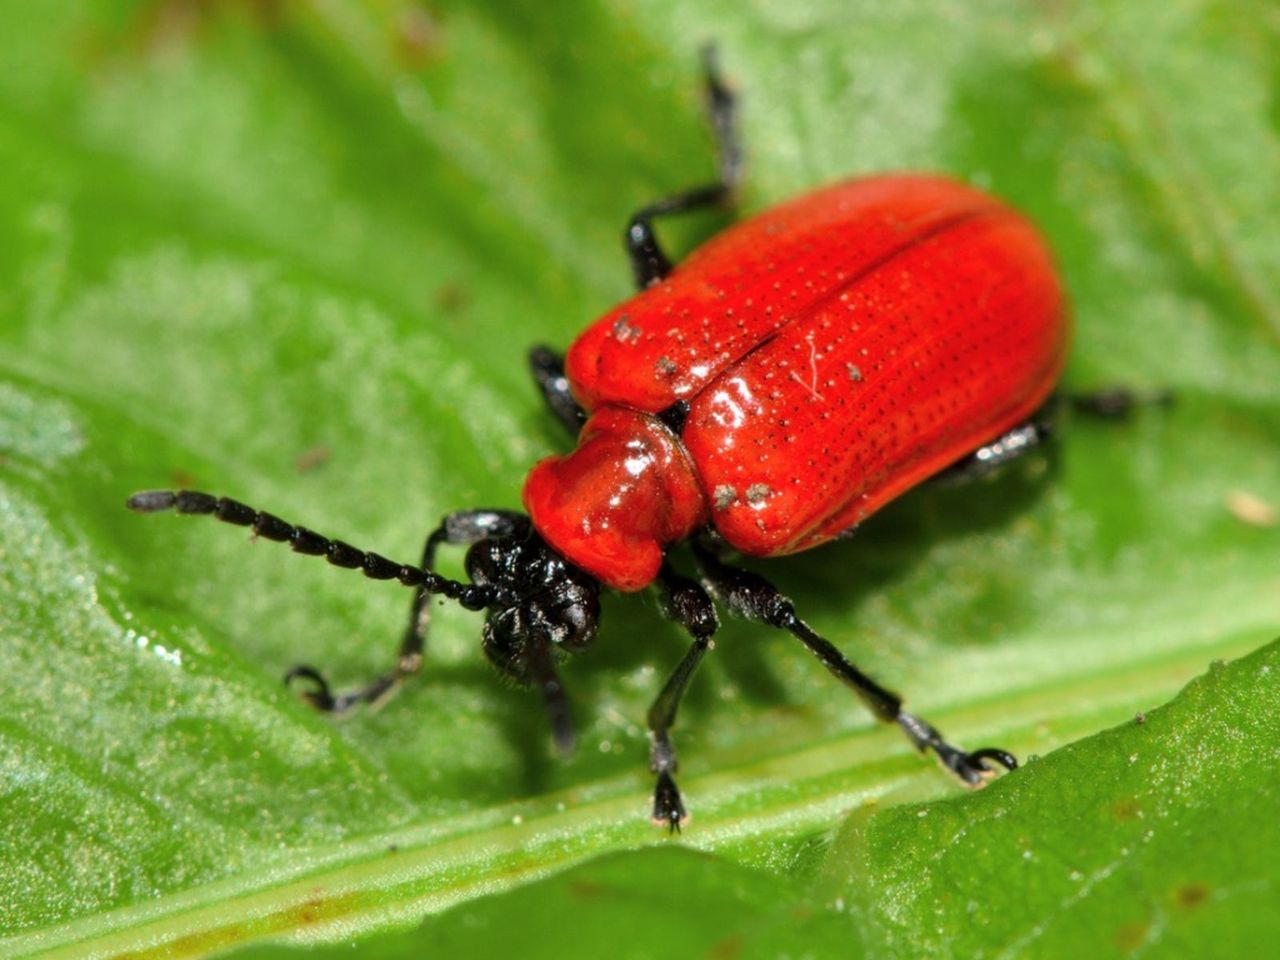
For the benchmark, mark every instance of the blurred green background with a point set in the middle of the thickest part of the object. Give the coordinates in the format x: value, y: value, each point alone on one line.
x: 294, y: 253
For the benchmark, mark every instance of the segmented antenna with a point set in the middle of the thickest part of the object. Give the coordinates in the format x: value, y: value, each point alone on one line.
x: 301, y: 540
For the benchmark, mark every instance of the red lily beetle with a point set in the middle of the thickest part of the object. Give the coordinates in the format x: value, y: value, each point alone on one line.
x: 792, y: 376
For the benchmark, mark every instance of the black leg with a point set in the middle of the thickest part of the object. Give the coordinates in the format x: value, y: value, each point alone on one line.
x: 687, y: 603
x: 1009, y: 446
x: 1111, y: 403
x: 648, y: 261
x: 1116, y: 402
x: 751, y: 596
x: 547, y: 367
x: 457, y: 529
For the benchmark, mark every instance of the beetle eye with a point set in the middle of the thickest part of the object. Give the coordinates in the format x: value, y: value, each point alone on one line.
x: 578, y: 625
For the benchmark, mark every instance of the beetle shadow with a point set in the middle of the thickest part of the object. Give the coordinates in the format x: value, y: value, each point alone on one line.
x: 627, y: 645
x: 515, y: 716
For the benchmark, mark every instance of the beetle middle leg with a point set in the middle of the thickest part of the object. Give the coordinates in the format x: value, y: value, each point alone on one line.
x: 754, y: 598
x: 1116, y: 402
x: 1110, y: 403
x: 1009, y: 446
x: 457, y: 529
x: 547, y: 368
x: 649, y: 263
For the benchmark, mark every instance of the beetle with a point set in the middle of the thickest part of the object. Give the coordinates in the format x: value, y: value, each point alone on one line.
x: 792, y: 376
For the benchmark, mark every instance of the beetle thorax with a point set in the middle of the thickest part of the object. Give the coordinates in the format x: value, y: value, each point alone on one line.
x: 615, y: 504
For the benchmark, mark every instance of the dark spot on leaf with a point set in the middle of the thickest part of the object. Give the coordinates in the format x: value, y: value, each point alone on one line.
x: 310, y: 459
x: 451, y: 297
x: 726, y: 949
x: 417, y: 37
x: 1191, y: 895
x: 1126, y: 808
x: 587, y: 889
x: 183, y: 478
x: 1132, y: 935
x: 167, y: 25
x: 309, y: 911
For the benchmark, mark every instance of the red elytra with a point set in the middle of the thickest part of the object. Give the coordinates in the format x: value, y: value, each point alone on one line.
x: 834, y: 352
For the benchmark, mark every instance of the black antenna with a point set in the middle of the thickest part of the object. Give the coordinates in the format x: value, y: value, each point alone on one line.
x: 301, y: 540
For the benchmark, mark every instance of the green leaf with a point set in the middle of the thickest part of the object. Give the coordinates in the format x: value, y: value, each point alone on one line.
x: 293, y: 254
x: 1157, y: 837
x: 1150, y: 837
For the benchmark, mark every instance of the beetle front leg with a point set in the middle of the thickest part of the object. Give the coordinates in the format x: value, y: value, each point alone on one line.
x: 649, y: 263
x: 687, y: 603
x: 751, y: 596
x: 457, y: 529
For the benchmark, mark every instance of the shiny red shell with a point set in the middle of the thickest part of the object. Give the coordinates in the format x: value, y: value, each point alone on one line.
x: 834, y: 352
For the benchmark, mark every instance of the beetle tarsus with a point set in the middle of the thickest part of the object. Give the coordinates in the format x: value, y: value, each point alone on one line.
x: 973, y: 768
x: 321, y: 696
x: 668, y: 809
x: 372, y: 693
x: 1002, y: 757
